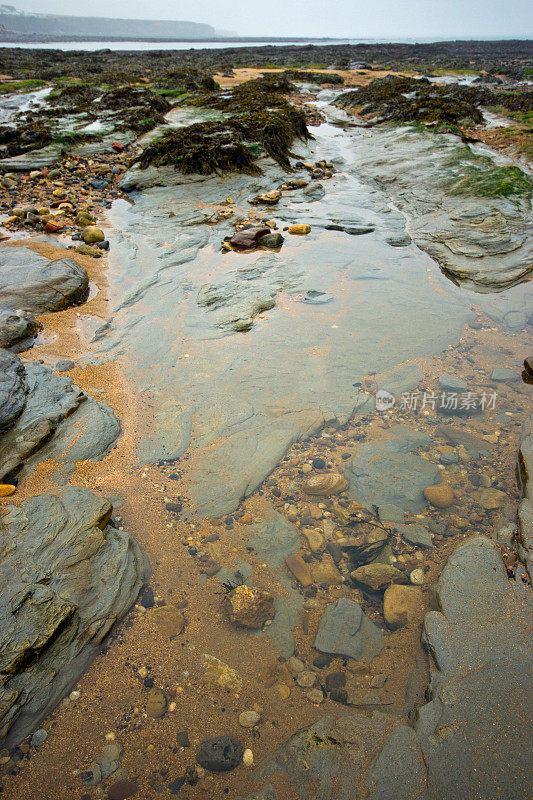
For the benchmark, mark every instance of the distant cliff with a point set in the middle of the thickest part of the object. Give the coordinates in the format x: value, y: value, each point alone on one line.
x: 51, y: 25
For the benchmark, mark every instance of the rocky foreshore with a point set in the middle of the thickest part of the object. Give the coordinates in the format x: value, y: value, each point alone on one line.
x: 294, y: 342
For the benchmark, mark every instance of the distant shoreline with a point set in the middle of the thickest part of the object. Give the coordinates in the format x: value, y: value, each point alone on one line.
x: 6, y: 38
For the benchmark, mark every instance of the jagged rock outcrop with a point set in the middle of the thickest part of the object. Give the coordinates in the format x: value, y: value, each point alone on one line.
x: 66, y: 576
x: 44, y: 415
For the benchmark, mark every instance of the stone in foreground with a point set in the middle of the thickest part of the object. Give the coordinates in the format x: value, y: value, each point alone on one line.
x: 345, y: 630
x: 66, y: 576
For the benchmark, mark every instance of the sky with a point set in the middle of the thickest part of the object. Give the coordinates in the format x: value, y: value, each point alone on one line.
x: 351, y: 19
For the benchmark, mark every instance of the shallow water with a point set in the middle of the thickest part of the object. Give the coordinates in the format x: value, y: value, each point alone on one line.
x: 240, y: 399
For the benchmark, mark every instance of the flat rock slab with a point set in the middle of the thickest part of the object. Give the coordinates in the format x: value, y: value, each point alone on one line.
x: 274, y: 539
x: 66, y: 576
x: 477, y: 719
x: 327, y: 760
x: 12, y: 389
x: 34, y: 159
x: 390, y: 475
x: 37, y: 284
x: 344, y: 630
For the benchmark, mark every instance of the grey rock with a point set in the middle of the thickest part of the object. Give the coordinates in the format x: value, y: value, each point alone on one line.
x: 398, y: 772
x: 328, y: 759
x: 390, y: 474
x: 17, y: 329
x: 479, y: 239
x: 525, y: 509
x: 66, y: 576
x: 39, y: 737
x: 449, y: 383
x: 504, y: 375
x: 33, y: 160
x: 482, y: 650
x: 13, y: 389
x: 64, y: 365
x: 34, y: 283
x: 274, y: 539
x: 457, y: 436
x: 345, y: 630
x: 57, y: 421
x: 415, y: 534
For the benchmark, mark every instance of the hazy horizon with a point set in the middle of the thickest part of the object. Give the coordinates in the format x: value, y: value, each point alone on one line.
x: 389, y: 19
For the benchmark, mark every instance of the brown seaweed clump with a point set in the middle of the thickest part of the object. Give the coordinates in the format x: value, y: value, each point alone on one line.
x: 304, y: 76
x: 402, y: 99
x: 231, y: 145
x: 261, y: 122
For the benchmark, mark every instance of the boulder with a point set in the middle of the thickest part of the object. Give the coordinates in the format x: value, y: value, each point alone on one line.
x: 249, y: 608
x: 34, y: 283
x: 17, y: 329
x: 91, y: 234
x: 49, y: 417
x: 66, y: 576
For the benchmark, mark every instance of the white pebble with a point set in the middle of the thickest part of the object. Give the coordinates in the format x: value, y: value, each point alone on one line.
x: 248, y: 758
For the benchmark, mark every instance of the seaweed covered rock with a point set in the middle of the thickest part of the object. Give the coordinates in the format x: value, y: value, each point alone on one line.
x: 66, y: 576
x: 307, y: 76
x: 396, y: 98
x: 262, y: 123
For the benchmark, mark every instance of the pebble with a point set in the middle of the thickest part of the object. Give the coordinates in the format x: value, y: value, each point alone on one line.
x: 300, y: 229
x: 306, y: 679
x: 7, y: 489
x: 249, y: 718
x: 39, y: 737
x: 440, y: 496
x: 248, y: 758
x: 315, y: 696
x: 402, y: 605
x: 156, y: 704
x: 417, y: 577
x: 295, y: 665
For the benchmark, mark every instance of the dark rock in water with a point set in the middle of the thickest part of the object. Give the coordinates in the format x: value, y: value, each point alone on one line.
x: 271, y: 240
x: 12, y: 389
x: 66, y: 576
x: 314, y: 297
x: 220, y: 754
x: 34, y: 283
x: 351, y: 230
x: 248, y: 237
x: 17, y: 329
x: 345, y: 630
x: 335, y: 680
x: 477, y: 718
x: 49, y: 417
x: 120, y: 790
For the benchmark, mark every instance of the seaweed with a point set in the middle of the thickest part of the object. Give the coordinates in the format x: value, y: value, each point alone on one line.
x: 261, y: 120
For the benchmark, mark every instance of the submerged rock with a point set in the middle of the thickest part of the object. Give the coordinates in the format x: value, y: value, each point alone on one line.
x: 481, y: 644
x: 344, y: 630
x: 220, y: 754
x: 249, y: 608
x: 66, y: 576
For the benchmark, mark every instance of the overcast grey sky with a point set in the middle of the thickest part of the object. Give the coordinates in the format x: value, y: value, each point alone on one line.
x: 394, y: 19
